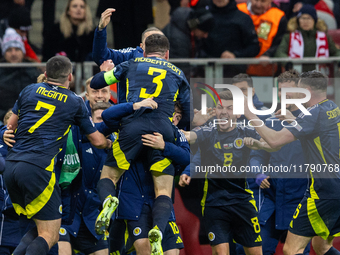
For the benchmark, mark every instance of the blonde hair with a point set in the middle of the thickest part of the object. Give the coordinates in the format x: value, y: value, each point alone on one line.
x: 85, y: 27
x: 41, y: 78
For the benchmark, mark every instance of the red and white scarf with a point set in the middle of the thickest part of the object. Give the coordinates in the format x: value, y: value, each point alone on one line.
x: 296, y: 45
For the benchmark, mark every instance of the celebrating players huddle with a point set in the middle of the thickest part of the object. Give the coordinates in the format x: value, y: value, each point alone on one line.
x: 128, y: 155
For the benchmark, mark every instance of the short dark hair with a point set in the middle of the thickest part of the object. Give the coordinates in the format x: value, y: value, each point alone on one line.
x: 58, y: 68
x: 226, y: 95
x: 314, y: 79
x: 156, y: 43
x: 242, y: 77
x: 150, y: 29
x: 100, y: 106
x: 288, y: 76
x: 178, y: 106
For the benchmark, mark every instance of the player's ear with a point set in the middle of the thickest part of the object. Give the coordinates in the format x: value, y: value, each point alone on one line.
x: 144, y: 54
x: 167, y: 55
x: 70, y: 77
x: 45, y: 74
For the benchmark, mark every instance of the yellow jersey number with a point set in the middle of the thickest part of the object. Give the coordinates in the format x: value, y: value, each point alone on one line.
x: 228, y: 159
x: 48, y: 115
x: 157, y: 80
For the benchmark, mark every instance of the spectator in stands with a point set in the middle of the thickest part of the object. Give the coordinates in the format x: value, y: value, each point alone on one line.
x: 270, y: 25
x: 13, y: 79
x: 20, y: 20
x: 48, y: 14
x: 186, y: 29
x: 307, y: 38
x: 73, y: 35
x: 233, y: 36
x: 129, y: 21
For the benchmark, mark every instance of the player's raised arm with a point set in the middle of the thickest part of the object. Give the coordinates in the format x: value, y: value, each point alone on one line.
x: 275, y: 139
x: 99, y: 141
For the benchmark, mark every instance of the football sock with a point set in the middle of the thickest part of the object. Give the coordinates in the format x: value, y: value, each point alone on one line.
x: 38, y: 247
x: 332, y: 251
x: 105, y: 187
x: 25, y: 241
x: 161, y: 212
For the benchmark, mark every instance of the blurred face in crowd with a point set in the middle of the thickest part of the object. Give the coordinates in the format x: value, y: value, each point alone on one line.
x: 97, y: 116
x: 142, y: 45
x: 225, y: 112
x: 243, y: 86
x: 76, y: 10
x: 306, y: 22
x: 221, y: 3
x: 289, y: 95
x: 97, y: 95
x: 199, y: 34
x: 14, y: 55
x: 259, y: 7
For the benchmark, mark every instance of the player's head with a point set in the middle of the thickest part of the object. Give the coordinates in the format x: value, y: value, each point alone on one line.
x: 97, y: 109
x: 59, y: 70
x: 147, y: 32
x: 7, y: 116
x: 243, y: 81
x: 225, y: 111
x: 316, y: 82
x: 96, y: 95
x: 177, y: 114
x: 289, y: 79
x: 157, y: 44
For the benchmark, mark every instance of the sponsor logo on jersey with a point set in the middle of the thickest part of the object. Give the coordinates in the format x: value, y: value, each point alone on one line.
x: 211, y: 236
x: 62, y: 231
x: 60, y: 209
x: 137, y: 231
x: 238, y: 143
x: 89, y: 151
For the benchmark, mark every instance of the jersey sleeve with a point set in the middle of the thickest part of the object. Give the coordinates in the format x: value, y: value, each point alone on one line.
x: 185, y: 99
x: 112, y: 115
x: 83, y: 120
x: 103, y: 79
x: 100, y: 51
x: 179, y: 153
x: 304, y: 124
x: 202, y: 133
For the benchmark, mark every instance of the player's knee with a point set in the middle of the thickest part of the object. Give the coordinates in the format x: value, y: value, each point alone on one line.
x: 288, y: 250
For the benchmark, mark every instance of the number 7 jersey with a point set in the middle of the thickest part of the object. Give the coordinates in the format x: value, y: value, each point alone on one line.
x: 151, y: 77
x: 46, y: 113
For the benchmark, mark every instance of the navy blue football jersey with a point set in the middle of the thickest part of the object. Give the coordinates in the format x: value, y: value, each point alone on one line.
x: 319, y: 134
x: 151, y: 77
x: 224, y: 149
x: 46, y: 113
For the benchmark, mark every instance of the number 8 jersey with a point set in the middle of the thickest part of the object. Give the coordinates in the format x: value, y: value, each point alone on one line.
x: 46, y: 113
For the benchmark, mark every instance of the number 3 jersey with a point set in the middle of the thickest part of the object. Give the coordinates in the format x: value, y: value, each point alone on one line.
x: 221, y: 151
x: 46, y: 113
x: 151, y: 77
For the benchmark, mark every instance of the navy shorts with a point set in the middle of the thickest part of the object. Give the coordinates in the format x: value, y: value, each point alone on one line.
x: 139, y: 229
x: 128, y: 144
x: 33, y: 190
x: 316, y: 217
x: 238, y: 221
x: 85, y: 241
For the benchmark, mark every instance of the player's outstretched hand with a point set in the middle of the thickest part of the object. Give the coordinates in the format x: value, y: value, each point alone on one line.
x: 9, y: 137
x: 154, y: 141
x: 107, y: 65
x: 105, y: 18
x: 289, y: 117
x: 184, y: 180
x: 265, y: 184
x: 200, y: 119
x: 252, y: 143
x: 148, y: 102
